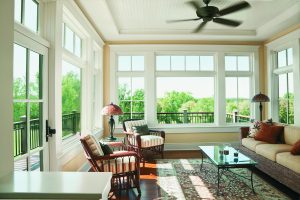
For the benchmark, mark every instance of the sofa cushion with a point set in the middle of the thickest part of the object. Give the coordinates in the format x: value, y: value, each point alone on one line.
x: 291, y: 134
x: 296, y: 148
x: 269, y: 133
x: 288, y: 160
x: 142, y: 130
x: 251, y: 143
x: 254, y: 128
x: 93, y: 145
x: 270, y: 150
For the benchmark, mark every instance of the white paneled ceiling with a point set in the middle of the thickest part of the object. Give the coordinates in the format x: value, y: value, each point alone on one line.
x: 146, y: 19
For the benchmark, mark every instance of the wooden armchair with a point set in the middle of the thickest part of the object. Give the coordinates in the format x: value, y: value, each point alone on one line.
x: 124, y: 165
x: 142, y: 144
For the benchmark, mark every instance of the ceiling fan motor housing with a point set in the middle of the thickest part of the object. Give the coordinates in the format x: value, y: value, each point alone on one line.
x: 208, y: 13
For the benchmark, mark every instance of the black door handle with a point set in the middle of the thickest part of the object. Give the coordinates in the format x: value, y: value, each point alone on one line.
x: 49, y: 131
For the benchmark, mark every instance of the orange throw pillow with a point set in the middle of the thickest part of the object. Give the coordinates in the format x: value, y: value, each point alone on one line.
x: 269, y: 133
x: 296, y: 148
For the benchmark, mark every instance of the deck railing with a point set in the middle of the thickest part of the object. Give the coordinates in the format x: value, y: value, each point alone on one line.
x: 187, y: 117
x: 70, y: 123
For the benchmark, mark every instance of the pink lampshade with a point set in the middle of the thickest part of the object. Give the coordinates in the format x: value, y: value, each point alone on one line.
x: 112, y: 109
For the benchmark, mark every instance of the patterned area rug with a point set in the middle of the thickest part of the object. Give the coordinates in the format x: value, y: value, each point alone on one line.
x: 183, y: 179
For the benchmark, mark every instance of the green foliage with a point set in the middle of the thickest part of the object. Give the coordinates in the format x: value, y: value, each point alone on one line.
x: 71, y: 88
x: 286, y: 105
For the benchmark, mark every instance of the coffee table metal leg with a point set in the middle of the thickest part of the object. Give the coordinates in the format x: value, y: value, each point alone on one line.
x: 201, y: 160
x: 218, y: 180
x: 252, y: 180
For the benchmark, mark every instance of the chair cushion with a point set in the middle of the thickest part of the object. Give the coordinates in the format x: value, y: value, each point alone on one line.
x: 251, y: 143
x: 130, y: 124
x: 296, y: 148
x: 93, y: 145
x: 270, y: 150
x: 151, y: 140
x: 142, y: 130
x: 288, y: 160
x: 119, y: 165
x: 269, y: 133
x: 291, y: 134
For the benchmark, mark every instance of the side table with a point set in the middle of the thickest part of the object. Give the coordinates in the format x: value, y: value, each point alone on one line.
x: 116, y: 145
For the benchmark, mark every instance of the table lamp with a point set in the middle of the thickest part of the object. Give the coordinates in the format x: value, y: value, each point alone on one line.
x: 111, y: 110
x: 260, y: 98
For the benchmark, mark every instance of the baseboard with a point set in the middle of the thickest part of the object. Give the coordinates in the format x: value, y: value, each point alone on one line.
x: 192, y: 146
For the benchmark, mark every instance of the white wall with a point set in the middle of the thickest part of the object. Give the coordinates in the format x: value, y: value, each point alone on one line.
x: 6, y: 85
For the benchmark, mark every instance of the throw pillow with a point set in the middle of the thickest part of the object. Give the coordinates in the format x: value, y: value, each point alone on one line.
x: 106, y: 149
x: 269, y: 133
x: 254, y: 128
x: 296, y: 148
x: 142, y: 130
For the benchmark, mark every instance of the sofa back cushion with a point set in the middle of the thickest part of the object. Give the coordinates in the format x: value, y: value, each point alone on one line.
x: 269, y: 133
x: 291, y: 134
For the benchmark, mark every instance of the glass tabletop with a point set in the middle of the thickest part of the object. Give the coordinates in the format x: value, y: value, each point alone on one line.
x: 234, y: 157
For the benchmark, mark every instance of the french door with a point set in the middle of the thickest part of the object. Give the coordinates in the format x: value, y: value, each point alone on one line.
x: 30, y: 92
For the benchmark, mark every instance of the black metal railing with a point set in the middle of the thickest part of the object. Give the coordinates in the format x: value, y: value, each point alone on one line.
x: 70, y: 126
x: 187, y: 117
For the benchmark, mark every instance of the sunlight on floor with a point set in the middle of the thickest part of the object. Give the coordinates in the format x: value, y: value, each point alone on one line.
x: 201, y: 188
x: 164, y: 166
x: 171, y: 186
x: 186, y: 164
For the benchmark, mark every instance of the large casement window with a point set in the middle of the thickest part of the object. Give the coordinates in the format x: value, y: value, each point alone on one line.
x: 185, y: 89
x: 72, y: 65
x: 285, y: 81
x: 186, y: 86
x: 131, y: 92
x: 27, y: 13
x: 238, y: 72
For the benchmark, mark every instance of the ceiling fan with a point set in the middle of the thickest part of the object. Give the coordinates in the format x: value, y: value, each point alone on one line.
x: 211, y: 13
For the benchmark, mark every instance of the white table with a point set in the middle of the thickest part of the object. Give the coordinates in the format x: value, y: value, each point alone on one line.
x: 55, y: 185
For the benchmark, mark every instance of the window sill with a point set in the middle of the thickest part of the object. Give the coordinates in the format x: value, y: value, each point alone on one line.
x: 195, y: 128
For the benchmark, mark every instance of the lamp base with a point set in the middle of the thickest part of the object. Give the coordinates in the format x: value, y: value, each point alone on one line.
x: 111, y: 138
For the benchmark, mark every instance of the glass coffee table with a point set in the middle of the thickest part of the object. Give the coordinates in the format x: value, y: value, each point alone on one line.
x: 234, y: 159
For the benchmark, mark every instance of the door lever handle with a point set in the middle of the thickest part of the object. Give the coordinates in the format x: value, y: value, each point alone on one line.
x: 49, y: 131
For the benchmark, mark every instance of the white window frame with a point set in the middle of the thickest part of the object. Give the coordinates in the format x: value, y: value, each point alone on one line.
x: 248, y: 74
x: 150, y: 51
x: 291, y: 40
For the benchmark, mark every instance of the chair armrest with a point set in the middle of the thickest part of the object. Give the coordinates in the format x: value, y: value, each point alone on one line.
x: 117, y: 155
x: 158, y: 133
x: 244, y: 132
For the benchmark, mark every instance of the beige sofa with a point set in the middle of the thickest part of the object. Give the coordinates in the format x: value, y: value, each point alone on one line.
x: 275, y: 159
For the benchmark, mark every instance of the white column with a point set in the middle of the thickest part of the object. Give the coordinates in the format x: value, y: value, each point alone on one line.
x: 220, y: 91
x: 296, y: 63
x: 53, y: 33
x: 6, y: 86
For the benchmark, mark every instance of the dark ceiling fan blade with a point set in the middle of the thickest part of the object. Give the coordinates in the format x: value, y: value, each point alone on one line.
x: 182, y: 20
x: 200, y: 27
x: 233, y: 8
x: 227, y: 22
x: 195, y: 4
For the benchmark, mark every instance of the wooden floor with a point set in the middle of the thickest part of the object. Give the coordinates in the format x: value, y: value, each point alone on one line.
x: 150, y: 190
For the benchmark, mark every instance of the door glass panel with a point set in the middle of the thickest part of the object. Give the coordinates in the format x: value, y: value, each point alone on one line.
x: 34, y: 73
x: 18, y: 7
x: 31, y: 14
x: 20, y: 129
x: 35, y: 125
x: 19, y: 87
x: 35, y: 161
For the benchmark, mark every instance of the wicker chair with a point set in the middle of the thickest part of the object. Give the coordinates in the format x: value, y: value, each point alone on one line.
x: 142, y: 144
x: 123, y: 164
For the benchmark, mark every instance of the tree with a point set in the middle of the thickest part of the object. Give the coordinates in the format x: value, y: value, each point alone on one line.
x: 71, y: 88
